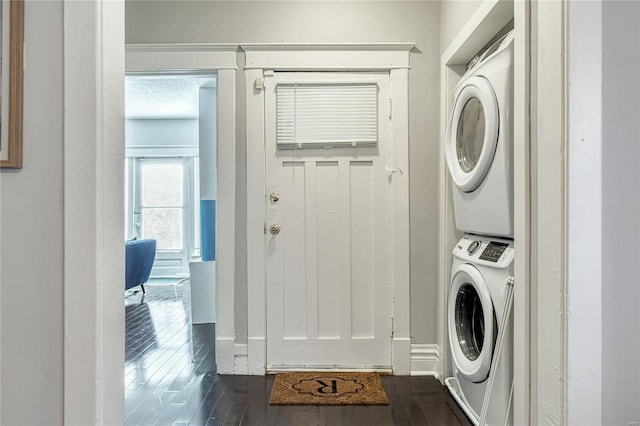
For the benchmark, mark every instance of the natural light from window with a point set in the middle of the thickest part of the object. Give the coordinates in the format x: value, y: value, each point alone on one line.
x: 163, y: 204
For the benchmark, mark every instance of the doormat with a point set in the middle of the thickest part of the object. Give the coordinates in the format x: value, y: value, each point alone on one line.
x: 328, y: 388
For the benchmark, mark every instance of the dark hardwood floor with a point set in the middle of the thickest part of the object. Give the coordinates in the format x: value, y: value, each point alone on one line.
x: 170, y: 379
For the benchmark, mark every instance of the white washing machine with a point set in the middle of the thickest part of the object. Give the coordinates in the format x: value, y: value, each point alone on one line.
x: 479, y: 144
x: 480, y: 270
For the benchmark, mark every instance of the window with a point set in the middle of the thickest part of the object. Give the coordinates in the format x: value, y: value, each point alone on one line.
x: 317, y: 115
x: 162, y: 202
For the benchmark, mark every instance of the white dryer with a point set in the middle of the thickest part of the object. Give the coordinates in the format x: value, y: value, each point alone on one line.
x: 479, y: 274
x: 479, y: 144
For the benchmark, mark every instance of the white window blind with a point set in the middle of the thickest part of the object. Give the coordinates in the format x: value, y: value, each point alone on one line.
x: 317, y: 115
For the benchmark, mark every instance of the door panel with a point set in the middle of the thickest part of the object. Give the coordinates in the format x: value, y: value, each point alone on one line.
x: 328, y: 269
x: 362, y: 244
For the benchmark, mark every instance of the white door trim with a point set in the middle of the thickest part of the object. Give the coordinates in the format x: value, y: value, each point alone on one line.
x: 347, y: 57
x: 400, y: 272
x: 93, y: 212
x: 550, y: 243
x: 522, y: 213
x: 221, y: 59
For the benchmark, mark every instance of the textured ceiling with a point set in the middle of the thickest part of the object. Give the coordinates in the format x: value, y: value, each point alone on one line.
x: 164, y: 96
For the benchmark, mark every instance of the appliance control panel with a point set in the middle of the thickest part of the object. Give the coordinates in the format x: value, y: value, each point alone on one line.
x: 493, y: 251
x: 488, y: 251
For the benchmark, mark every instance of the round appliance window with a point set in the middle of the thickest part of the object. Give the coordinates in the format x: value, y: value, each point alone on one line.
x: 469, y: 320
x: 470, y: 135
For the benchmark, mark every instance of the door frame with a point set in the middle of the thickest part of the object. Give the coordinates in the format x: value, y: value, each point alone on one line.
x: 93, y: 249
x: 93, y: 212
x: 220, y: 59
x: 94, y: 69
x: 265, y: 58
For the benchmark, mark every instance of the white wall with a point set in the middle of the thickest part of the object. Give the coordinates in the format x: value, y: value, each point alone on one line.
x: 454, y: 14
x: 312, y: 21
x: 208, y: 143
x: 585, y: 233
x: 31, y: 240
x: 603, y: 356
x: 620, y: 212
x: 161, y: 132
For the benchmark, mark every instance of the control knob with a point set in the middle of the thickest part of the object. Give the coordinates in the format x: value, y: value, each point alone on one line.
x: 473, y: 247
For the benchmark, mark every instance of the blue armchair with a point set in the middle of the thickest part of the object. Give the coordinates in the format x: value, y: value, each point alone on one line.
x: 139, y: 257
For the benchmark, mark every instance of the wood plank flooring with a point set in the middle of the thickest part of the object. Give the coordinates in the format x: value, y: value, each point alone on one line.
x: 170, y: 379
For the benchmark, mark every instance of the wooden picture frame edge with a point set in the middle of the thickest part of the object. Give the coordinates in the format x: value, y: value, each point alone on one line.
x: 16, y: 79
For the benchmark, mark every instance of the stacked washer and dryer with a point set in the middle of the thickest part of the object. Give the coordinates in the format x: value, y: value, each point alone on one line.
x: 479, y: 155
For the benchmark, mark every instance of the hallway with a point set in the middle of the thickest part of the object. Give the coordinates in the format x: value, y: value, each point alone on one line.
x: 170, y: 379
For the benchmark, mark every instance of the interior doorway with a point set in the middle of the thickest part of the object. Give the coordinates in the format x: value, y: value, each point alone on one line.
x: 94, y: 191
x: 170, y: 188
x: 167, y: 126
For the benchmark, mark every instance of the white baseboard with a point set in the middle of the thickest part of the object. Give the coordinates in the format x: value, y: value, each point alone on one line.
x: 425, y: 360
x: 241, y: 361
x: 225, y: 354
x: 231, y: 357
x: 400, y: 356
x: 257, y: 356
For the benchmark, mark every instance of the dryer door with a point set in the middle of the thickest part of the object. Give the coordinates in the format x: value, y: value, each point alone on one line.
x: 472, y: 326
x: 472, y: 133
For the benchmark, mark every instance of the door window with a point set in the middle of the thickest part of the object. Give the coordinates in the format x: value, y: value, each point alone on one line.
x: 326, y: 114
x: 470, y: 135
x: 469, y: 322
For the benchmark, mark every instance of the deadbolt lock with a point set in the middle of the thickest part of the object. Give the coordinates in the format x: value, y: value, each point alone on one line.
x: 274, y: 196
x: 275, y: 229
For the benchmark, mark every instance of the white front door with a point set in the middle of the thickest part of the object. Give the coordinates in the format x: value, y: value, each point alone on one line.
x: 329, y: 290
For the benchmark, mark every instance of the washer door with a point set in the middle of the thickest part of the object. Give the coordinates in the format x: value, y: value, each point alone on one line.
x: 472, y: 134
x: 472, y: 327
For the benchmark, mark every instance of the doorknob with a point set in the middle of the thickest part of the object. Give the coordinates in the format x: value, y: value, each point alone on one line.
x: 274, y: 196
x: 275, y: 229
